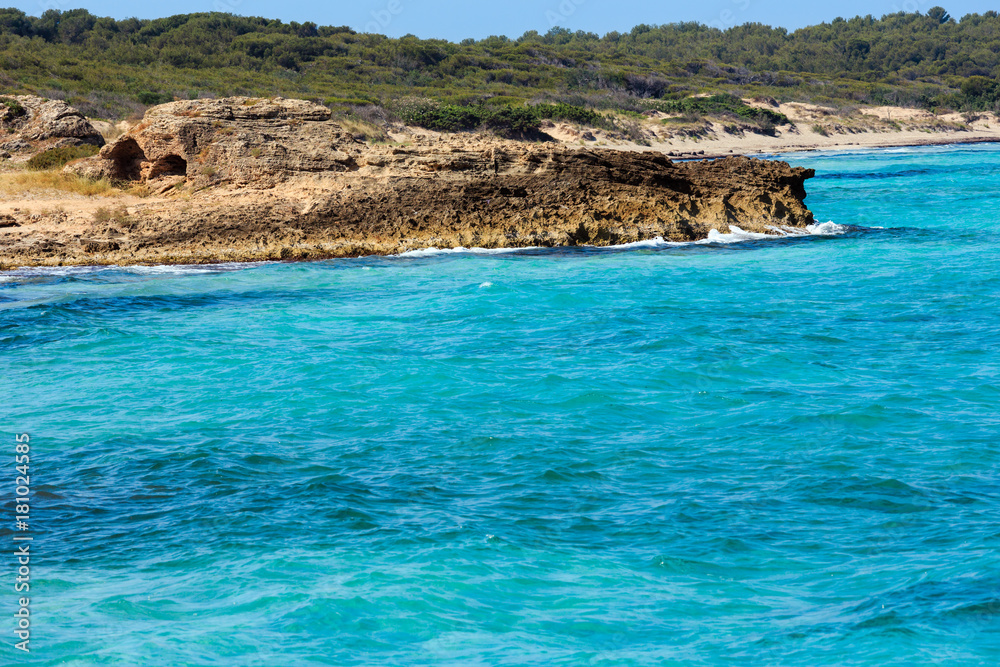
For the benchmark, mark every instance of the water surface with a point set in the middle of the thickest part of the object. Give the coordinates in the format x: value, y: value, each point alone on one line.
x: 756, y: 451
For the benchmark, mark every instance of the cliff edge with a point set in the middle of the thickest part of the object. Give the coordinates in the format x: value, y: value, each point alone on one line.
x: 244, y: 179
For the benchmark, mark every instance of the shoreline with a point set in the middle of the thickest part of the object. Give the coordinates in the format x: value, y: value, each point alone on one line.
x: 801, y: 142
x: 288, y: 201
x: 221, y: 259
x: 822, y: 229
x: 929, y: 143
x: 811, y: 128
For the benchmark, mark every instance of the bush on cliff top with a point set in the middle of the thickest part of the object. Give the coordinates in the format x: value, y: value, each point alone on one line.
x: 429, y: 114
x: 506, y: 119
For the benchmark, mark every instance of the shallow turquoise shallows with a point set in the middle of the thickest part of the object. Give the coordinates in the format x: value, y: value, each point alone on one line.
x: 751, y: 451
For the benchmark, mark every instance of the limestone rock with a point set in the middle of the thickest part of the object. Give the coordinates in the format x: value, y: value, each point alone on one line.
x: 246, y: 141
x: 43, y: 120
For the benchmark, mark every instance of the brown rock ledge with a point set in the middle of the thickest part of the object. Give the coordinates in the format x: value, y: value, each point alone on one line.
x: 245, y: 179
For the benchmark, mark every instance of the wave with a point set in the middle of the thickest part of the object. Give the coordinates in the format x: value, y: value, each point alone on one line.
x: 738, y: 235
x: 735, y: 235
x: 29, y: 272
x: 433, y: 252
x: 189, y: 269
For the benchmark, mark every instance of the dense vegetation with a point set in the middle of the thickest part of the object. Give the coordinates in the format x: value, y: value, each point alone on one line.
x: 519, y: 120
x: 112, y: 68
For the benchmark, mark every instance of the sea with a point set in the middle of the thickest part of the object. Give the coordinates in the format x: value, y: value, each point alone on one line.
x: 751, y: 450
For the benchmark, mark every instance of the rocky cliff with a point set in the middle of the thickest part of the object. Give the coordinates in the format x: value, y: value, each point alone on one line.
x: 253, y: 179
x: 30, y: 124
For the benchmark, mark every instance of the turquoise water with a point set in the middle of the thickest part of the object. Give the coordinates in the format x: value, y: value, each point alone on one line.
x: 774, y: 452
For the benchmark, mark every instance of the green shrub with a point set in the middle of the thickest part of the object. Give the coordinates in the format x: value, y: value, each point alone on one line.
x: 509, y: 120
x: 151, y: 99
x: 503, y: 118
x: 58, y: 157
x: 453, y: 118
x: 721, y: 105
x: 571, y: 113
x: 16, y: 110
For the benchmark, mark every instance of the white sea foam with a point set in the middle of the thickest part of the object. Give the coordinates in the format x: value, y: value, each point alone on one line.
x: 155, y: 270
x: 53, y: 271
x: 28, y: 271
x: 738, y: 235
x: 431, y: 252
x: 166, y: 270
x: 828, y: 229
x: 189, y: 269
x: 486, y: 284
x: 657, y: 242
x: 735, y: 235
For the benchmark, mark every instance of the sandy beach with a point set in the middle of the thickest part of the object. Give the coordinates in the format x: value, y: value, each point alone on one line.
x: 815, y: 128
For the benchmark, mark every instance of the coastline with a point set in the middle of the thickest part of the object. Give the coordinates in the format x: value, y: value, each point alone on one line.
x: 849, y: 146
x: 435, y: 190
x: 816, y: 129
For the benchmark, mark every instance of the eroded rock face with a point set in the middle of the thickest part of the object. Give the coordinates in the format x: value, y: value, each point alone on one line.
x: 245, y: 141
x: 287, y: 182
x: 507, y: 194
x: 32, y: 124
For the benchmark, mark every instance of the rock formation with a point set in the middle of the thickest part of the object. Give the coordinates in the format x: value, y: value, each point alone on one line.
x: 250, y: 179
x: 30, y: 124
x: 243, y: 141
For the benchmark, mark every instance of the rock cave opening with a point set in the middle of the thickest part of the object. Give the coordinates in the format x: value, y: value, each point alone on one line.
x: 169, y: 165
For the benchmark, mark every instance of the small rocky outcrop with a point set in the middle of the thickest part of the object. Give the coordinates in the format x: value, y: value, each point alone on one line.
x: 244, y: 179
x: 244, y: 141
x: 30, y: 124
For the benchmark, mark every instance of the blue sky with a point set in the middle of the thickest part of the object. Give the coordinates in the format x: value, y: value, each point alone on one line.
x: 457, y: 19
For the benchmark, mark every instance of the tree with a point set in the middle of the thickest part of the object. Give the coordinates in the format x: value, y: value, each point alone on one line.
x: 307, y: 29
x: 14, y: 21
x: 939, y: 14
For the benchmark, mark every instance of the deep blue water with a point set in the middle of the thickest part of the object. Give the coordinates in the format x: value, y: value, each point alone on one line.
x: 770, y: 451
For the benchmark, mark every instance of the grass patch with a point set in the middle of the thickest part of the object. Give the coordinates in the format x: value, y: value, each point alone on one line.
x: 113, y: 214
x: 363, y: 130
x: 58, y: 157
x: 21, y: 182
